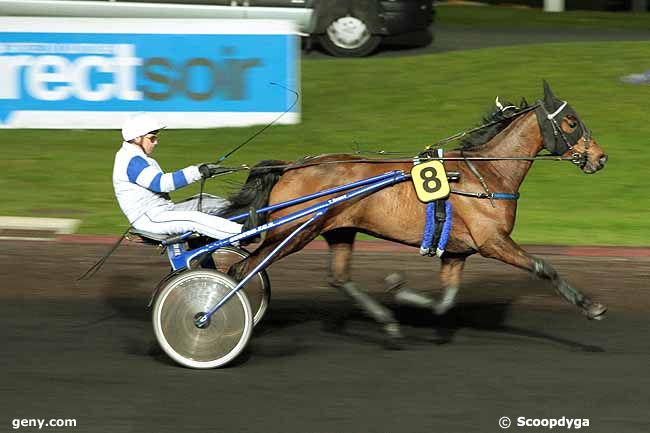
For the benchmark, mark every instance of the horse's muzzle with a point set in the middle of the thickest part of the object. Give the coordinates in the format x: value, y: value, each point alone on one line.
x: 591, y: 167
x: 603, y: 160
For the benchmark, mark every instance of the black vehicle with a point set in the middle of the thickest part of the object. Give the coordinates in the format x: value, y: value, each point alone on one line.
x: 350, y: 28
x: 356, y: 28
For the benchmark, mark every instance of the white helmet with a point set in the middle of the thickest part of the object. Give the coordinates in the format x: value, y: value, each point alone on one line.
x: 139, y: 125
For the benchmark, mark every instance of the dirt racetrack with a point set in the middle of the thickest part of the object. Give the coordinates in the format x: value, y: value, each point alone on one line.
x: 511, y: 348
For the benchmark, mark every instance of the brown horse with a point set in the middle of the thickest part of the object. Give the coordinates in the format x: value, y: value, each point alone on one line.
x: 395, y: 213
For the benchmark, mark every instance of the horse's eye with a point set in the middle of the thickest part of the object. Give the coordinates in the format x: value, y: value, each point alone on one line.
x: 572, y: 123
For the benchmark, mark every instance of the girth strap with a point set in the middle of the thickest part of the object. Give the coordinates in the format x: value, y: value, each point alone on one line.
x: 479, y: 177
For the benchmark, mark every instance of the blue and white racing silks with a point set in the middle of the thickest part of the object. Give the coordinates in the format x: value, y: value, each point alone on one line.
x: 140, y: 184
x: 141, y: 189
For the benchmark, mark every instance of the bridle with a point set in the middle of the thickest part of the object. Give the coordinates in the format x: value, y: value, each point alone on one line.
x: 556, y: 140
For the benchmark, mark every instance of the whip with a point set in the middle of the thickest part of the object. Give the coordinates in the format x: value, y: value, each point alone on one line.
x: 296, y: 94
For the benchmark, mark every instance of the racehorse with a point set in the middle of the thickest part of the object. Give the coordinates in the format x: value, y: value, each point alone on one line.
x: 510, y: 141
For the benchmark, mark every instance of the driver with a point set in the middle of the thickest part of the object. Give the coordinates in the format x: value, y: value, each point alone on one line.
x: 141, y: 188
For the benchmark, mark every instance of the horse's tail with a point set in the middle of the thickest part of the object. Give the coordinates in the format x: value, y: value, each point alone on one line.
x: 255, y: 192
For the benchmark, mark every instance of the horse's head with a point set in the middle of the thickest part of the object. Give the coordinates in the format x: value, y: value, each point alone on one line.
x: 565, y: 134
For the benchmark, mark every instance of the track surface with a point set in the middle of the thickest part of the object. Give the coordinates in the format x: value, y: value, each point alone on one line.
x: 511, y: 348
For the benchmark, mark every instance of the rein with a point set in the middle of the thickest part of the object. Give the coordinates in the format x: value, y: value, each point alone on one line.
x: 576, y: 158
x: 291, y: 166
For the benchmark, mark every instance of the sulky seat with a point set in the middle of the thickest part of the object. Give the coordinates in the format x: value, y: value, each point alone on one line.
x: 157, y: 239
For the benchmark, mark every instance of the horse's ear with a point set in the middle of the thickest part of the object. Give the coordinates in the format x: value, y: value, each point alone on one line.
x: 549, y: 97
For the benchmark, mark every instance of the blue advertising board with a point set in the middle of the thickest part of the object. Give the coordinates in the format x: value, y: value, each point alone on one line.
x: 92, y: 73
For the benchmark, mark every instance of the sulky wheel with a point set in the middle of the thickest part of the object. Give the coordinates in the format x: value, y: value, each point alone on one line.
x: 185, y: 298
x: 258, y: 289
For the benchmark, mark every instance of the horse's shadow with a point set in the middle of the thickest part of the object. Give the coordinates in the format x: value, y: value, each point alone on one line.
x: 420, y: 326
x: 127, y: 298
x: 489, y: 317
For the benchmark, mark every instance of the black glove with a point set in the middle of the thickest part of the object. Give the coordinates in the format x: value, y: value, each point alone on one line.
x: 209, y: 169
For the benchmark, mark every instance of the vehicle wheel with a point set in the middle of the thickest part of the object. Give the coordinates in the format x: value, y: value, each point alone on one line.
x: 258, y: 289
x: 183, y: 299
x: 349, y: 36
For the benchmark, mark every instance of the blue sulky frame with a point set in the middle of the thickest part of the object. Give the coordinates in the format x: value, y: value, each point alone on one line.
x: 180, y: 257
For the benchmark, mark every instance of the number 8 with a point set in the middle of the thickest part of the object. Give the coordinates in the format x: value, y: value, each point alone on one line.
x: 429, y: 175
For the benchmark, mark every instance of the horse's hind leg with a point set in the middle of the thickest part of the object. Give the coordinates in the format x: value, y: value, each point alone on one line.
x: 506, y: 250
x: 450, y: 271
x: 341, y: 242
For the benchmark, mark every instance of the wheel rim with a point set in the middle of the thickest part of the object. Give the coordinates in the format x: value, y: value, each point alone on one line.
x: 174, y: 320
x: 257, y: 290
x: 348, y: 32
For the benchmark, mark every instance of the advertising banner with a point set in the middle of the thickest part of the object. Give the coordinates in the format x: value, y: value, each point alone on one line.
x: 92, y: 73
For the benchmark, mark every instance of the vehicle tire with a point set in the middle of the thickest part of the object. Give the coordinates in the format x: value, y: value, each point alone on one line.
x: 349, y: 36
x: 183, y: 299
x: 258, y: 289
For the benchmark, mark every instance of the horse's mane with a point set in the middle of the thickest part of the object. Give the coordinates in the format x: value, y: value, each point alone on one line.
x: 503, y: 118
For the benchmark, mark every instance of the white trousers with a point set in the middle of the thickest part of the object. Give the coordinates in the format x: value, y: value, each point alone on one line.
x: 184, y: 217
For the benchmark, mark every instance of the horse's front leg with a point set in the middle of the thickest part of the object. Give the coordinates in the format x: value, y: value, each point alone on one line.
x: 507, y: 251
x: 450, y: 271
x: 341, y: 243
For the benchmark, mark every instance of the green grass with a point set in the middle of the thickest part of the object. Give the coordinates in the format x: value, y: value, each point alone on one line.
x: 398, y: 104
x: 529, y: 18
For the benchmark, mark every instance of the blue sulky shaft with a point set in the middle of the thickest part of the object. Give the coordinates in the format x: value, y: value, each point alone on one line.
x: 306, y: 198
x: 319, y: 194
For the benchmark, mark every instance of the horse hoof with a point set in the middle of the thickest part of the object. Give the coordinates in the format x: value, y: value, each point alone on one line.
x: 394, y: 281
x: 393, y: 331
x: 413, y: 299
x: 596, y: 312
x: 393, y: 336
x: 441, y: 308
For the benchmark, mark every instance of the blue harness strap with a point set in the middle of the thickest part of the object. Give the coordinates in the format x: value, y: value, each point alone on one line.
x: 430, y: 228
x: 505, y: 196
